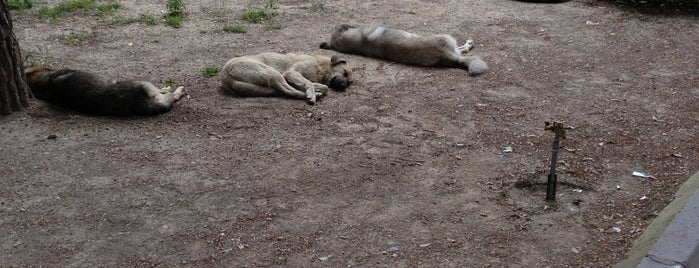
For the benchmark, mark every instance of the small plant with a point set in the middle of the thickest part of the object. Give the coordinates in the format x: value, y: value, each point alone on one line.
x: 106, y: 9
x: 237, y: 28
x: 175, y: 8
x: 173, y: 21
x: 318, y: 6
x: 257, y: 16
x: 273, y: 25
x: 169, y: 82
x: 148, y: 19
x: 175, y: 13
x: 209, y: 71
x: 77, y: 37
x: 19, y: 4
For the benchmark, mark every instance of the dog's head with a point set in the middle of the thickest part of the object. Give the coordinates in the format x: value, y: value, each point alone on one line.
x: 38, y: 80
x: 339, y: 30
x: 341, y: 76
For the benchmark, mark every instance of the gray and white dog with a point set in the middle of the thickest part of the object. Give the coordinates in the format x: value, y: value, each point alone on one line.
x: 404, y: 47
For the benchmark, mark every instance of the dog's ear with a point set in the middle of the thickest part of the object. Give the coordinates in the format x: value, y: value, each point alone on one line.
x: 325, y: 45
x: 335, y: 60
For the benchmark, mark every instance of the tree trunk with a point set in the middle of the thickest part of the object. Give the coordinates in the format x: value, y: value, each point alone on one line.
x: 14, y: 92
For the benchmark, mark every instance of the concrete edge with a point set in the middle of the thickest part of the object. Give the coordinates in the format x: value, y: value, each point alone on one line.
x: 656, y: 228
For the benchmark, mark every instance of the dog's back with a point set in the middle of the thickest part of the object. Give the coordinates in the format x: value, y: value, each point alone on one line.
x: 90, y: 93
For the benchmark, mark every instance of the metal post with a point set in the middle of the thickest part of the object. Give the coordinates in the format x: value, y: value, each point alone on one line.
x: 560, y: 131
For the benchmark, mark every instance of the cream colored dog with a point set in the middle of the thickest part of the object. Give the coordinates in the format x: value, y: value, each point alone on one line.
x: 404, y: 47
x: 296, y: 75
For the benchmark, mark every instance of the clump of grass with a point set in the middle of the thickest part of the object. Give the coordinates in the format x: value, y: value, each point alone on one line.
x: 75, y: 38
x: 148, y: 19
x: 174, y: 22
x: 19, y: 4
x: 169, y: 82
x: 78, y: 6
x: 237, y: 28
x: 259, y: 15
x: 176, y: 12
x: 209, y: 71
x: 318, y: 6
x: 273, y: 25
x: 175, y: 8
x: 142, y: 18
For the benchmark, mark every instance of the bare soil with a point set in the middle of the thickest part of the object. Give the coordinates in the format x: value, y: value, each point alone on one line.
x: 404, y: 169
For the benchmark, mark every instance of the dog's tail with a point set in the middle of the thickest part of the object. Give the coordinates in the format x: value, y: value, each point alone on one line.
x: 474, y: 64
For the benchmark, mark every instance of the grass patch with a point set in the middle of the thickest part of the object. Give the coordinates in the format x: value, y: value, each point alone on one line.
x: 88, y: 6
x: 273, y: 25
x: 173, y: 21
x: 169, y: 82
x: 148, y: 19
x: 259, y: 15
x: 19, y: 4
x: 209, y: 71
x: 318, y: 6
x: 176, y: 12
x: 142, y: 18
x: 77, y: 37
x: 175, y: 8
x: 237, y: 28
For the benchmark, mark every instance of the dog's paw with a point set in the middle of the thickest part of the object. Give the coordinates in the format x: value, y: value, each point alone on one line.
x: 179, y: 93
x: 466, y: 47
x: 320, y: 88
x: 180, y: 90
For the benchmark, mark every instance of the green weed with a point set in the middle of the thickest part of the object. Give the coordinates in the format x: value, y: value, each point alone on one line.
x: 318, y: 6
x: 237, y: 28
x: 259, y: 15
x: 169, y: 82
x: 209, y: 71
x: 78, y: 6
x: 173, y: 21
x: 175, y: 8
x: 273, y: 25
x: 19, y: 4
x: 77, y: 37
x: 148, y: 19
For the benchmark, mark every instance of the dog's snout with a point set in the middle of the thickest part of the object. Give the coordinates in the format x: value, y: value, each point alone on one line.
x: 338, y: 83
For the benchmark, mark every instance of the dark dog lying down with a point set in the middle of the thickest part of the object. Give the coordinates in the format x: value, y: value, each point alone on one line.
x: 95, y: 94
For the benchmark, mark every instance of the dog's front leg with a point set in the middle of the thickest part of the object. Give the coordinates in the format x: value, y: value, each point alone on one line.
x: 296, y: 80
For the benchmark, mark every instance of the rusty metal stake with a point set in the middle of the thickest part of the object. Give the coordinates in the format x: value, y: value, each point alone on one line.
x: 560, y: 131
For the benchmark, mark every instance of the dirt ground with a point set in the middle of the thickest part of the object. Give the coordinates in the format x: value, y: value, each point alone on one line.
x: 404, y: 169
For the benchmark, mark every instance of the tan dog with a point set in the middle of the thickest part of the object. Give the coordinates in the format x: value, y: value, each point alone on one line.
x: 404, y: 47
x: 92, y: 93
x: 296, y: 75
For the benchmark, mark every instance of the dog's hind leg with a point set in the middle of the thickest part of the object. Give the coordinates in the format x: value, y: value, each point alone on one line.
x: 160, y: 100
x: 466, y: 47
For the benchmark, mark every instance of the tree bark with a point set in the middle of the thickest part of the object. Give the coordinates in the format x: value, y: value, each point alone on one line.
x: 14, y: 92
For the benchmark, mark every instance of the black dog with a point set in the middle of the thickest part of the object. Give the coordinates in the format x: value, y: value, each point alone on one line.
x: 97, y: 95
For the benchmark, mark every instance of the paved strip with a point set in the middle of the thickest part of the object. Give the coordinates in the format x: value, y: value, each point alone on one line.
x: 672, y: 239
